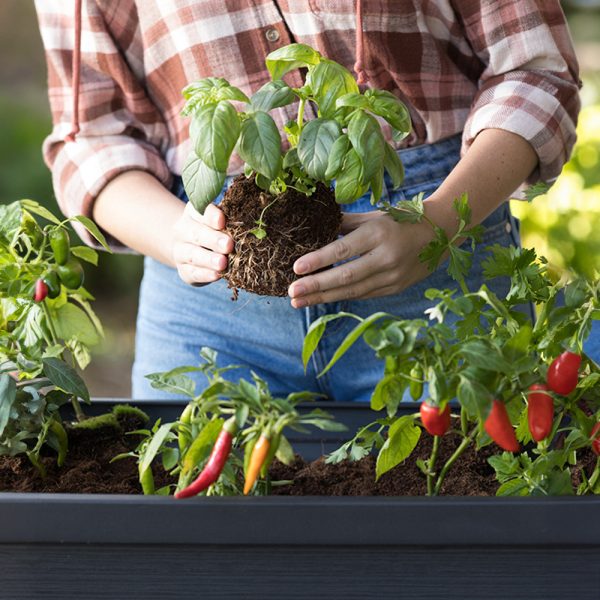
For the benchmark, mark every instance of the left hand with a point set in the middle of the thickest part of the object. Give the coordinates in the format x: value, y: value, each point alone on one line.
x: 385, y: 261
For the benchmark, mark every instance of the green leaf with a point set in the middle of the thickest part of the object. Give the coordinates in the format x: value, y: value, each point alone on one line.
x: 173, y: 382
x: 85, y: 253
x: 8, y: 394
x: 36, y: 208
x: 73, y: 323
x: 388, y: 106
x: 92, y: 229
x: 155, y: 445
x: 388, y: 393
x: 461, y: 206
x: 231, y: 92
x: 348, y: 185
x: 336, y: 156
x: 485, y: 356
x: 459, y: 262
x: 352, y: 337
x: 367, y: 139
x: 292, y: 56
x: 285, y: 452
x: 316, y: 144
x: 474, y: 398
x: 517, y: 346
x: 201, y: 447
x: 538, y: 189
x: 214, y: 132
x: 10, y: 217
x: 353, y: 99
x: 408, y: 211
x: 403, y: 436
x: 273, y: 94
x: 330, y: 81
x: 377, y: 187
x: 65, y: 378
x: 202, y: 184
x: 315, y: 333
x: 393, y: 165
x: 260, y: 144
x: 513, y: 487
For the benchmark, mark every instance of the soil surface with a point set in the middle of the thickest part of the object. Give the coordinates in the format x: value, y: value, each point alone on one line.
x: 88, y: 470
x: 294, y: 223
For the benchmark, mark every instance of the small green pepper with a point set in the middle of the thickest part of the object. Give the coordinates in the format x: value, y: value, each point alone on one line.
x: 60, y: 243
x: 416, y: 382
x: 71, y: 274
x: 53, y: 283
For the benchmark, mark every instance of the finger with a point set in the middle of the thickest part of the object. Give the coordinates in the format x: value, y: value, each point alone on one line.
x: 192, y: 254
x: 197, y: 275
x: 350, y: 221
x: 343, y: 275
x: 355, y: 243
x: 214, y: 217
x: 366, y: 288
x: 207, y: 237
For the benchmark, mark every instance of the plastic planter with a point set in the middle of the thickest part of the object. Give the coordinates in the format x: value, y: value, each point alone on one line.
x: 93, y: 546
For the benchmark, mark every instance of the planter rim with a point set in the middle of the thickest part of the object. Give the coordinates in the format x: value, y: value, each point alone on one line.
x: 298, y: 521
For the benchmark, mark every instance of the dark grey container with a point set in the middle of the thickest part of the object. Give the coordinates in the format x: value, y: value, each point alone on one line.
x: 61, y: 546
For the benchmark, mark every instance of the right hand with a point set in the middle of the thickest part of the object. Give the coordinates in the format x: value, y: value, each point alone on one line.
x: 200, y: 246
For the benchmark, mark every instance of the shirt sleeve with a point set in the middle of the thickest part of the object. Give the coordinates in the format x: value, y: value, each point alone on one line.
x: 120, y: 127
x: 530, y: 81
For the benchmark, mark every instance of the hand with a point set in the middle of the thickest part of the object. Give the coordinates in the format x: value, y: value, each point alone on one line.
x: 200, y: 246
x: 385, y: 261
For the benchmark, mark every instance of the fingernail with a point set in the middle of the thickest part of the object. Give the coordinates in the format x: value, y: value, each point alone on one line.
x: 299, y: 303
x: 301, y: 267
x: 223, y: 243
x: 217, y: 262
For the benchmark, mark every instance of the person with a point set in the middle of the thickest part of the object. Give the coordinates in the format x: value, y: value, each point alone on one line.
x: 492, y: 89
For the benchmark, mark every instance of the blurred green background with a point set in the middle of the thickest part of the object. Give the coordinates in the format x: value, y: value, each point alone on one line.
x: 564, y: 225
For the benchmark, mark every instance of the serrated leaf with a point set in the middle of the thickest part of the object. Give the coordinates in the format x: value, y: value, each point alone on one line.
x: 408, y: 211
x: 513, y: 487
x: 214, y: 132
x: 538, y: 189
x: 316, y: 144
x: 65, y: 378
x: 403, y: 437
x: 202, y: 184
x: 260, y: 145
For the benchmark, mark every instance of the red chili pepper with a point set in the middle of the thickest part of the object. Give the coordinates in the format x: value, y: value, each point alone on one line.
x: 563, y: 372
x: 435, y: 421
x: 595, y: 437
x: 216, y: 462
x: 41, y: 290
x: 540, y: 411
x: 500, y: 429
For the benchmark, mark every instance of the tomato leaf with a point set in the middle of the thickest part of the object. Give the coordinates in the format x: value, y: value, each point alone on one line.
x: 315, y: 146
x: 201, y: 183
x: 260, y: 144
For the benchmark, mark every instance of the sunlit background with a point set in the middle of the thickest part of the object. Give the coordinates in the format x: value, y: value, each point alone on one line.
x: 564, y: 225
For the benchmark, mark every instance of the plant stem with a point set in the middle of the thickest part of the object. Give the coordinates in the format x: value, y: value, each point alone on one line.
x: 461, y: 448
x: 594, y: 478
x: 300, y: 120
x: 49, y: 322
x: 431, y: 465
x: 79, y: 414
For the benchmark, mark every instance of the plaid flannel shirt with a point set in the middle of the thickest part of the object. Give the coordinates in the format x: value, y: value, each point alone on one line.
x: 460, y: 65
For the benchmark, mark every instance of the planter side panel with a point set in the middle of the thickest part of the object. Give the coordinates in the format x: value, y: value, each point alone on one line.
x: 55, y: 572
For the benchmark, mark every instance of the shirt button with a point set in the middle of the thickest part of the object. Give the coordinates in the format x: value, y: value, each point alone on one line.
x: 272, y: 35
x: 508, y: 227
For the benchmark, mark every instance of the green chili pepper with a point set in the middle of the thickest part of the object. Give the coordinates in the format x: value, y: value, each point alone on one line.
x: 71, y: 274
x: 60, y: 243
x: 53, y: 283
x: 416, y: 382
x: 147, y: 481
x: 58, y: 430
x: 183, y: 436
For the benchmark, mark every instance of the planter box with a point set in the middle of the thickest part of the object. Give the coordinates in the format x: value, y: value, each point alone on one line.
x: 93, y: 546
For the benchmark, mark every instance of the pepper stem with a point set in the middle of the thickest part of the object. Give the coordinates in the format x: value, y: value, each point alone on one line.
x: 461, y: 448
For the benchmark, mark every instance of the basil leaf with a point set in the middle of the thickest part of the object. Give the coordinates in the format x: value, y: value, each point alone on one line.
x: 273, y: 94
x: 329, y: 82
x: 349, y: 186
x: 377, y: 187
x: 354, y: 100
x: 393, y: 165
x: 365, y: 135
x: 292, y: 56
x: 388, y: 106
x: 336, y: 156
x: 214, y: 131
x: 230, y: 92
x: 315, y: 145
x: 260, y: 144
x: 202, y: 184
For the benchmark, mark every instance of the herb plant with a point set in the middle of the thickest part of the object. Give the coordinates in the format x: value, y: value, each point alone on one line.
x: 528, y: 387
x: 47, y: 327
x: 345, y: 142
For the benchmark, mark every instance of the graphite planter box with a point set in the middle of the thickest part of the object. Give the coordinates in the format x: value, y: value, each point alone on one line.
x: 60, y: 546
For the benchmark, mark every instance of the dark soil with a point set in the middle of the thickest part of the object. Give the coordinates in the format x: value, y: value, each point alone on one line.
x: 471, y: 475
x: 295, y: 224
x: 87, y: 468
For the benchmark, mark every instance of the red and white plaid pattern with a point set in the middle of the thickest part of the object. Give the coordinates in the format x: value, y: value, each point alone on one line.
x: 458, y: 64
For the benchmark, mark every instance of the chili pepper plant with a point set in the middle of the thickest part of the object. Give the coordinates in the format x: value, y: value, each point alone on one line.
x: 283, y: 206
x: 227, y: 435
x: 47, y: 326
x: 527, y: 387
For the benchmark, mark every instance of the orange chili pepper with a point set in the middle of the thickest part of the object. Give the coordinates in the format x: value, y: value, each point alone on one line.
x: 257, y: 458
